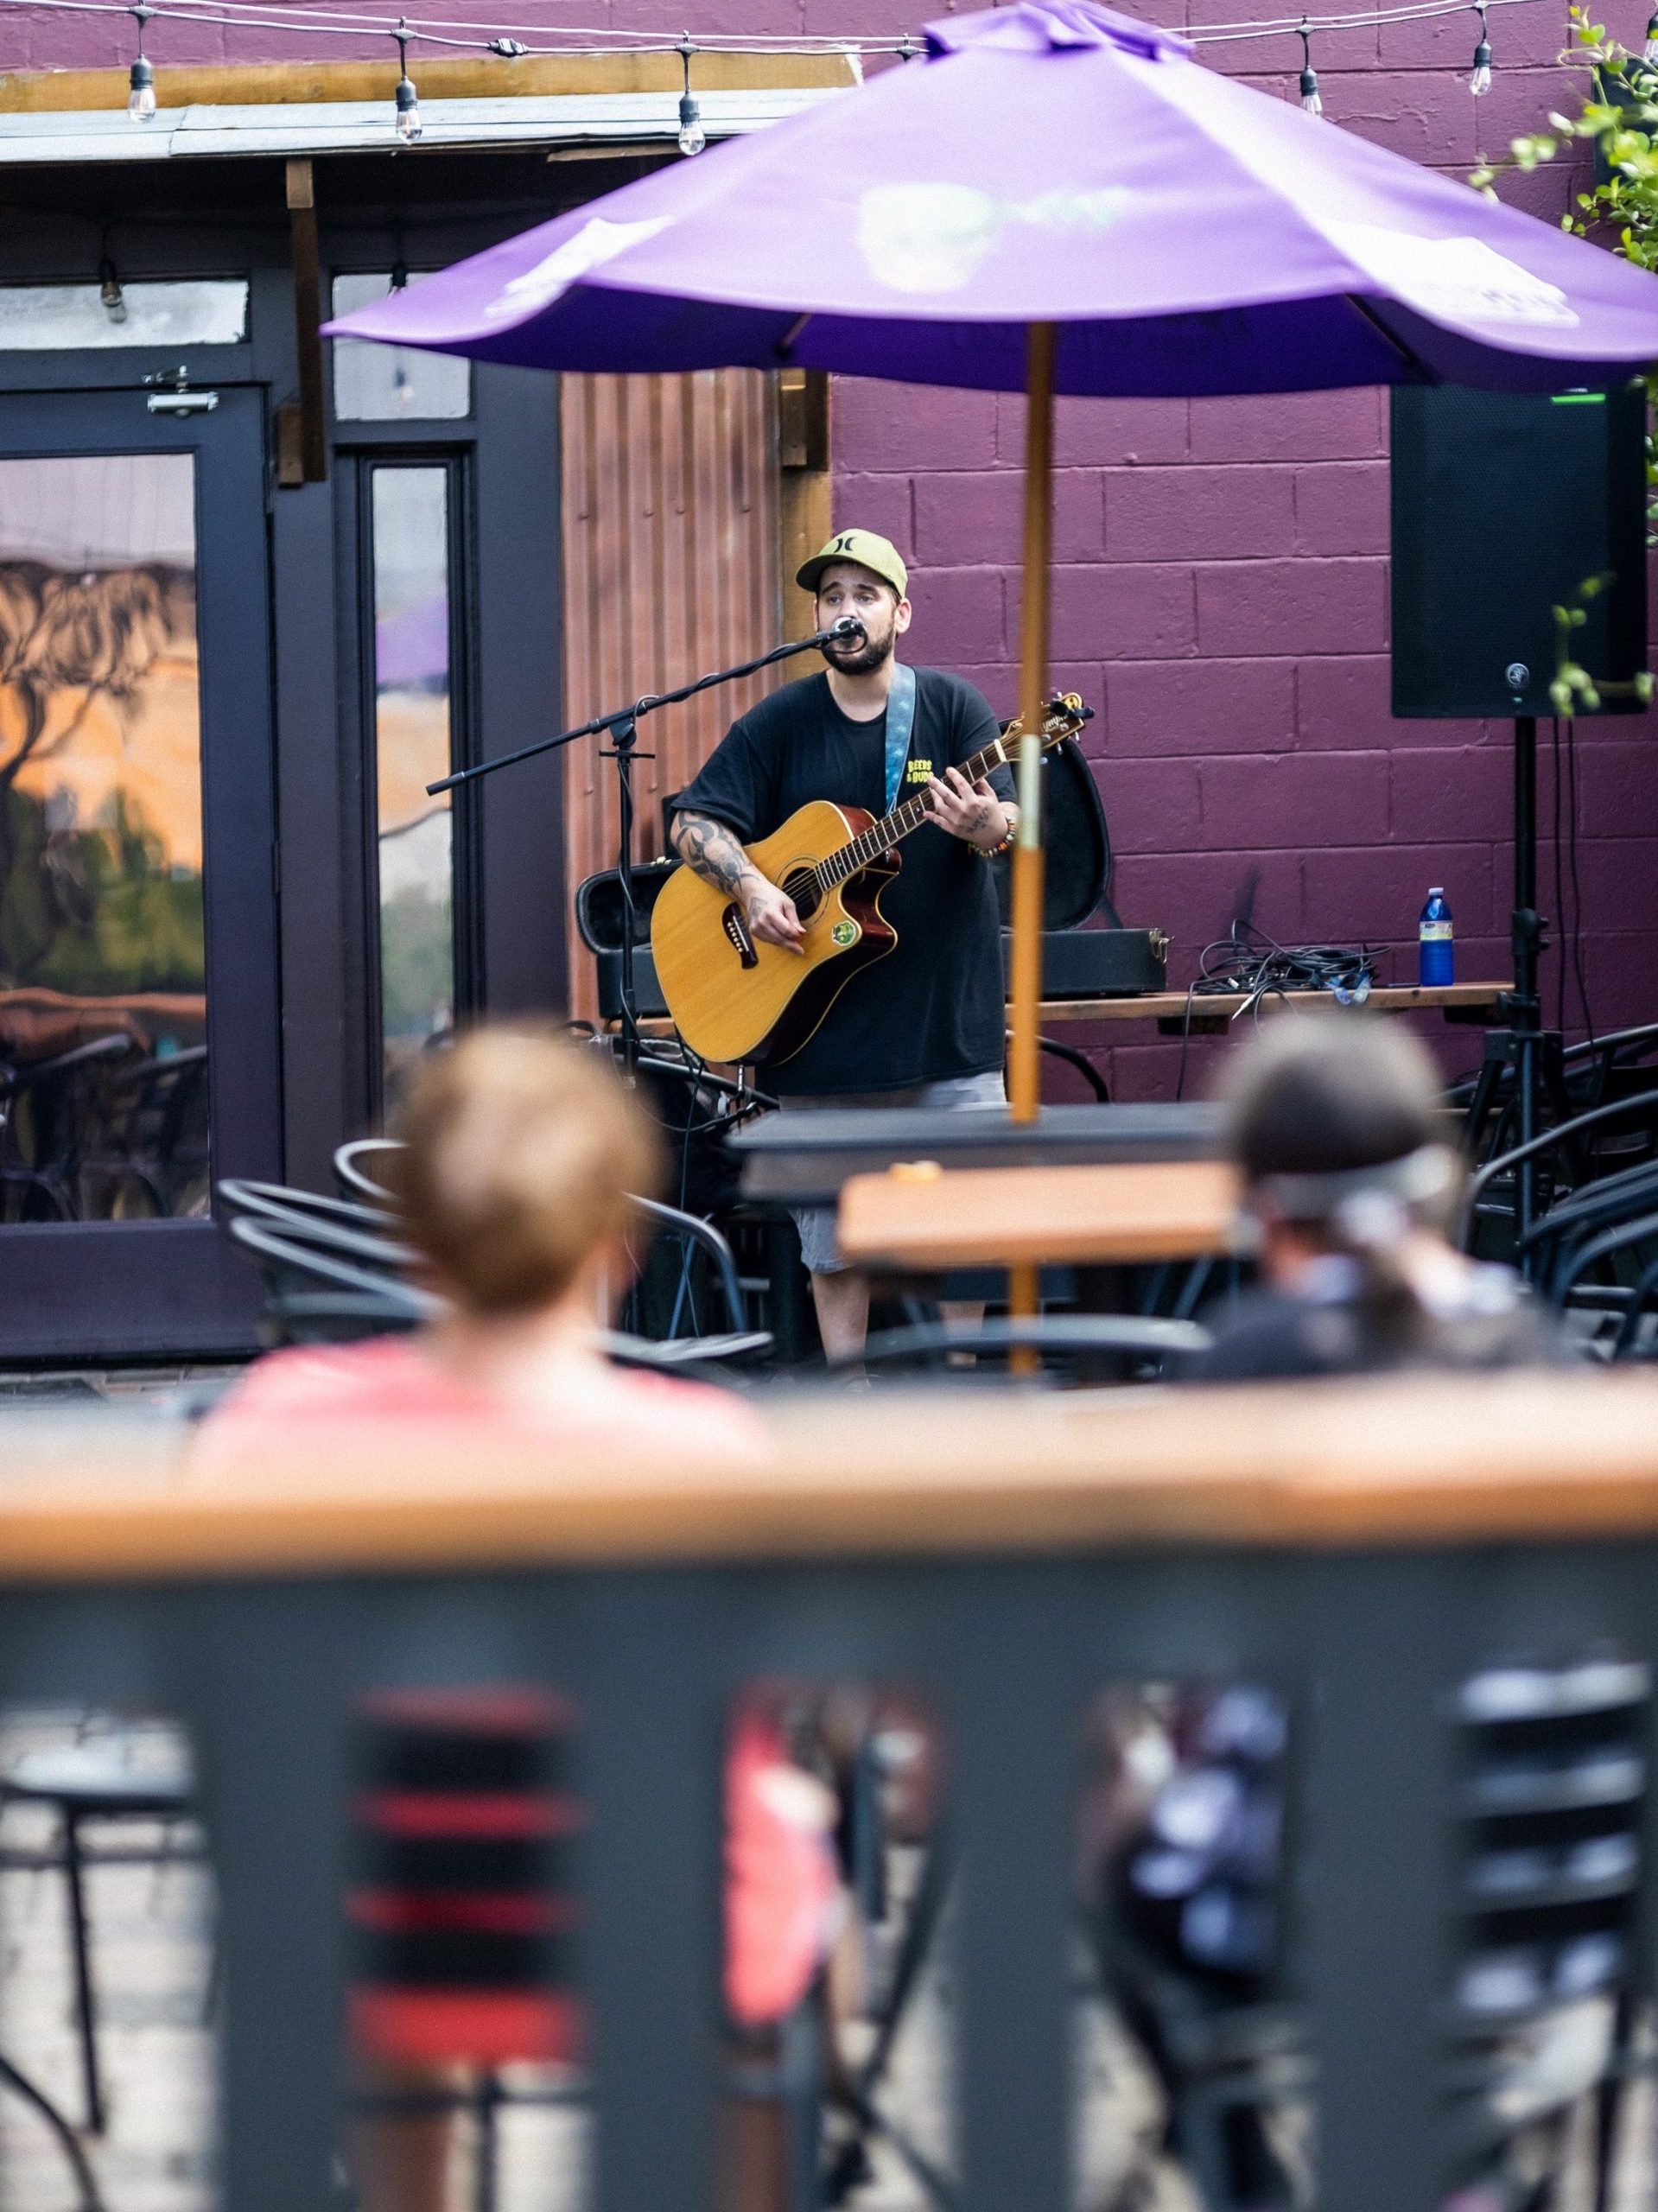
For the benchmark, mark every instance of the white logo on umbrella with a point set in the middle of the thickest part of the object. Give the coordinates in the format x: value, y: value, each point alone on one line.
x: 593, y: 244
x: 1459, y: 280
x: 931, y: 238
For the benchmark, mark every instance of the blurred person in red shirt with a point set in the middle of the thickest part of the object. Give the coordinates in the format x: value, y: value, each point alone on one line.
x: 522, y: 1154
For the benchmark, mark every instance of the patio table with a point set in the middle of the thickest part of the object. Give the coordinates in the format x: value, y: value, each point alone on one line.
x: 1210, y: 1011
x: 920, y: 1219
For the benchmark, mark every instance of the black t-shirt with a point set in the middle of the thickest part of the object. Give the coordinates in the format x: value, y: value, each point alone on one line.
x: 1273, y: 1335
x: 934, y: 1005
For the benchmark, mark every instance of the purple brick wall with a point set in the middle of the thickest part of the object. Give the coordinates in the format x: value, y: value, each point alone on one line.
x: 1221, y: 588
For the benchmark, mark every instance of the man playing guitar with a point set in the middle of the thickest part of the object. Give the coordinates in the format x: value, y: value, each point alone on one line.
x: 927, y: 1028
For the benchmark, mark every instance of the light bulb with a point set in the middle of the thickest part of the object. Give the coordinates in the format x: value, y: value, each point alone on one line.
x: 1310, y: 99
x: 1480, y: 83
x: 692, y: 137
x: 408, y: 124
x: 140, y: 100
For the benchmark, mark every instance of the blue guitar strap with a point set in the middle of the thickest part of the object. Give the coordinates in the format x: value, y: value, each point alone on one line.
x: 900, y: 722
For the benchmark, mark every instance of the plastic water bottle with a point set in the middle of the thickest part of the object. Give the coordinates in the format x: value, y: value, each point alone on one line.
x: 1436, y: 947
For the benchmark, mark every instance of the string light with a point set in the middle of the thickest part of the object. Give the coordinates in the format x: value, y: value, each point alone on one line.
x: 563, y: 40
x: 1480, y: 83
x: 140, y: 78
x: 692, y: 137
x: 407, y: 102
x: 1311, y: 102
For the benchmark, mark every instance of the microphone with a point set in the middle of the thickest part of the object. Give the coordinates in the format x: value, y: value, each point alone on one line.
x: 848, y: 626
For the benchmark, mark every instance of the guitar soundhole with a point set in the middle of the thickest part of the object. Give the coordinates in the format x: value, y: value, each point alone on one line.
x: 804, y: 892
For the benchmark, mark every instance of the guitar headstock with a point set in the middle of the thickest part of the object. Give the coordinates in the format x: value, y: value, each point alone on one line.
x: 1063, y: 716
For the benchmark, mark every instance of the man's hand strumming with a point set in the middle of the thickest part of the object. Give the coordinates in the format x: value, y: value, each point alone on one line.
x: 771, y: 915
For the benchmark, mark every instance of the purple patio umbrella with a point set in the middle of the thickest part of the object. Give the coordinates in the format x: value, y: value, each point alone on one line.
x: 1057, y: 199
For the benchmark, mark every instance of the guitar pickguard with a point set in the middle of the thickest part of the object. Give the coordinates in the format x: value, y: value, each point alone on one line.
x: 737, y: 930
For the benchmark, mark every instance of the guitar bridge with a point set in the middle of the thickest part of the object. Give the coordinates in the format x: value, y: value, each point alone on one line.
x: 737, y: 930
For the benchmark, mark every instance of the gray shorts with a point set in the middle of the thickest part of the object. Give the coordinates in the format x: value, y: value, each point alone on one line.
x: 816, y: 1223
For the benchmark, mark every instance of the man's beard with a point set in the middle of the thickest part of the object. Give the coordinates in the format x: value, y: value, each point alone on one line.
x: 868, y: 657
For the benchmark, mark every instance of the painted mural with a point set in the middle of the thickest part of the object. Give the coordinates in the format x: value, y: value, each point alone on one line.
x: 102, y: 968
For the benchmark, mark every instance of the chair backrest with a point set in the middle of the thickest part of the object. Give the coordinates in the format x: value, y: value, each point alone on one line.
x: 363, y: 1248
x: 1566, y: 1135
x: 316, y: 1295
x: 279, y: 1202
x: 1598, y: 1205
x: 599, y: 909
x: 668, y: 1218
x: 352, y: 1173
x: 1094, y: 1341
x: 1601, y: 1067
x: 1628, y: 1237
x: 703, y: 1234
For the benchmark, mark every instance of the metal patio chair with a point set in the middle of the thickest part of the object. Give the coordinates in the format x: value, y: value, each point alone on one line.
x: 1605, y: 1141
x: 94, y: 1782
x: 1086, y: 1347
x: 354, y: 1169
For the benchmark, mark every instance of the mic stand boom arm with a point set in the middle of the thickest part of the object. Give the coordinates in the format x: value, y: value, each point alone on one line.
x: 621, y: 728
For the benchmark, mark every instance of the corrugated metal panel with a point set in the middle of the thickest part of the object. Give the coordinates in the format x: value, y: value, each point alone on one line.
x: 671, y: 549
x: 351, y: 126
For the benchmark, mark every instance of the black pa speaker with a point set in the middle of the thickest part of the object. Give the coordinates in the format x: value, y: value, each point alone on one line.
x: 1505, y: 506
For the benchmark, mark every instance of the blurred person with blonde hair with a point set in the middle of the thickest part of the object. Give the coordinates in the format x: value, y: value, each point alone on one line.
x: 522, y: 1155
x: 1351, y: 1188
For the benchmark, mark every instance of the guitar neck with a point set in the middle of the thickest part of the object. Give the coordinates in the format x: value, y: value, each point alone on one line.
x: 882, y: 835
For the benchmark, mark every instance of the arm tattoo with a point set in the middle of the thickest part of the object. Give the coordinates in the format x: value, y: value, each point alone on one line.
x: 708, y: 847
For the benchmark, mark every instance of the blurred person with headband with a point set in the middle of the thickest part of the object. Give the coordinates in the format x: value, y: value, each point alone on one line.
x: 1352, y: 1187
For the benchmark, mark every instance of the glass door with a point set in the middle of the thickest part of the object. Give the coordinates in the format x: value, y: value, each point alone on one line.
x: 138, y: 1037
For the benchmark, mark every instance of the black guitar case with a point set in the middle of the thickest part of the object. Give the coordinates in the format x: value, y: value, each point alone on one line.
x: 1086, y: 951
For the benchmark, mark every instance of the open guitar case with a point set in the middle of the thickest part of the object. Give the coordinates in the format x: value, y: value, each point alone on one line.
x: 1086, y: 951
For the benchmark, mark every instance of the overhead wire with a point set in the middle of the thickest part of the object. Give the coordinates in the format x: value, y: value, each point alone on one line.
x: 249, y: 14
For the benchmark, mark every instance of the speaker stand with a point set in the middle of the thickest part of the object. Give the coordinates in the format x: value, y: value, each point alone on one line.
x: 1533, y: 1052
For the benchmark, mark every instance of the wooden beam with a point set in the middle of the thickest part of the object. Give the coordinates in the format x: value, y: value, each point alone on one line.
x: 308, y: 323
x: 1413, y: 1460
x: 43, y: 92
x: 805, y: 507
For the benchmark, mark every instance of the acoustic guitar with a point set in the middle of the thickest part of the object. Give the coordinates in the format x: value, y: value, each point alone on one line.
x: 734, y: 998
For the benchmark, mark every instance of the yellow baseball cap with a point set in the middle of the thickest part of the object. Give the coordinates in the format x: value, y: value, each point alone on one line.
x: 868, y: 549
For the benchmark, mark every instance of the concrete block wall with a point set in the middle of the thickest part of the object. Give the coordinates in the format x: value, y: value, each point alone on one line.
x: 1221, y: 598
x: 1221, y: 594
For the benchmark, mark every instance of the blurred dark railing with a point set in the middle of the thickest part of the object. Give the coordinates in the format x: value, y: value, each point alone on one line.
x: 1005, y: 1555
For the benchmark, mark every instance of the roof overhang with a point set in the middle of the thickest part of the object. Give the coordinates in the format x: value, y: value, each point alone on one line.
x: 572, y: 123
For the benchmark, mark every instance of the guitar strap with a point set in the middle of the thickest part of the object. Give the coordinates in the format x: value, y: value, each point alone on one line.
x: 900, y: 722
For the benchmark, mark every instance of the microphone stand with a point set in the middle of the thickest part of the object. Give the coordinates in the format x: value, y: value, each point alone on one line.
x: 621, y: 726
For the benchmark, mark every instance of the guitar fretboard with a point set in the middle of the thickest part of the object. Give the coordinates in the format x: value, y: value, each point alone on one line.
x: 882, y: 835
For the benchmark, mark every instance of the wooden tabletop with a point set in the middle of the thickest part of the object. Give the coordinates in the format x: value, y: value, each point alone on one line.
x: 1220, y: 1006
x: 921, y: 1218
x: 1413, y: 1460
x: 1211, y: 1010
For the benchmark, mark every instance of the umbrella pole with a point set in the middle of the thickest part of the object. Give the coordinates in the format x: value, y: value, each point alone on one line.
x: 1024, y: 1070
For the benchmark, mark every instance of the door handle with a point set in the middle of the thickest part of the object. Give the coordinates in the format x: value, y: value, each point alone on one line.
x: 170, y: 394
